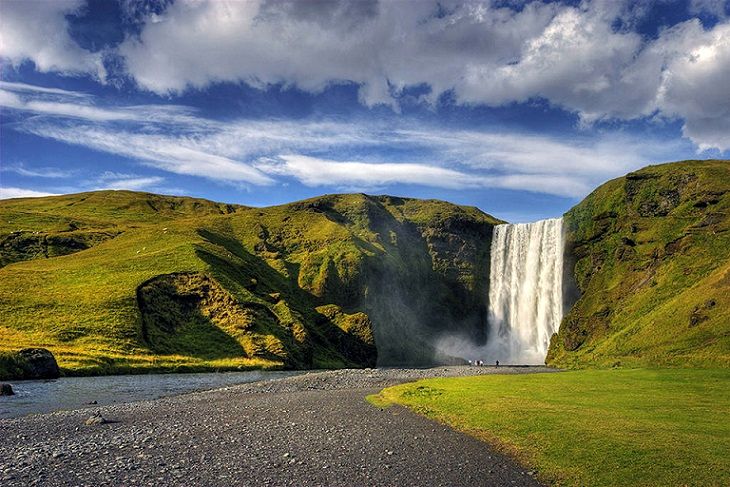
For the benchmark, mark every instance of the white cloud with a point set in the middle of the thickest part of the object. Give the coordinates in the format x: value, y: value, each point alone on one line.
x: 37, y: 30
x: 588, y: 157
x: 313, y: 171
x: 103, y: 181
x: 12, y: 101
x: 39, y: 172
x: 576, y: 61
x: 73, y: 104
x: 131, y: 182
x: 330, y: 153
x: 76, y: 118
x: 34, y: 89
x: 574, y: 56
x: 383, y: 46
x: 9, y: 192
x: 165, y: 152
x: 695, y: 85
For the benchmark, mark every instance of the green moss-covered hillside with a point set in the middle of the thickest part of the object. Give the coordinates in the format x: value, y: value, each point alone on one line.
x: 118, y: 281
x: 650, y: 255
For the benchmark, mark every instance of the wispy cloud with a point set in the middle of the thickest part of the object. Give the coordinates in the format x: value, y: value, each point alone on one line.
x: 172, y: 153
x: 93, y: 182
x: 132, y: 182
x: 313, y: 171
x: 73, y: 104
x: 28, y: 88
x: 38, y: 172
x: 176, y: 139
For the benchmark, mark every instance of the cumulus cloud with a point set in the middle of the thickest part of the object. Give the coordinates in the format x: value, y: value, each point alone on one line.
x: 695, y: 84
x: 577, y: 61
x: 37, y: 30
x: 586, y: 58
x: 573, y: 56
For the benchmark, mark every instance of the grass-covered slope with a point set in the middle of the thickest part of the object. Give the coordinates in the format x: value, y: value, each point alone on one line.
x: 168, y: 282
x: 60, y: 225
x: 650, y: 254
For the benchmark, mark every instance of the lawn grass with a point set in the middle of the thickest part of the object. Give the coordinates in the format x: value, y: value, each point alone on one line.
x: 623, y: 427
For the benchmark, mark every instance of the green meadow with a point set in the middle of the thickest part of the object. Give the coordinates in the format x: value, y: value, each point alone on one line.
x: 620, y: 427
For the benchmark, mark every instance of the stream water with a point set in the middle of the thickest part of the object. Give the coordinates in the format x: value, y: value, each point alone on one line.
x: 45, y: 396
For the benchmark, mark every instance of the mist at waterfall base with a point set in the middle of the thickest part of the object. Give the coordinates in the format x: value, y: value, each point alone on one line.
x: 525, y: 295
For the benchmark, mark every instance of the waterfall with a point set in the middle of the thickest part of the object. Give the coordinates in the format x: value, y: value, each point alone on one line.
x: 525, y: 291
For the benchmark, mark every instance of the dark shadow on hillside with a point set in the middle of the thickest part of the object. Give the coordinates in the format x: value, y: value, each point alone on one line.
x: 417, y: 296
x: 174, y: 322
x: 324, y: 343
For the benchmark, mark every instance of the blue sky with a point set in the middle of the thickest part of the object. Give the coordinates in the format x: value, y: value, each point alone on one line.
x: 518, y: 107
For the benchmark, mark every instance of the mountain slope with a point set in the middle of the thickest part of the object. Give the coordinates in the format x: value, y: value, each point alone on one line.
x: 650, y: 255
x: 60, y: 225
x: 184, y: 283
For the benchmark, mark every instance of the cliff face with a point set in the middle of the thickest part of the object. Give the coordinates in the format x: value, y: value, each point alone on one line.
x: 649, y: 258
x: 424, y: 276
x: 416, y: 269
x: 164, y: 282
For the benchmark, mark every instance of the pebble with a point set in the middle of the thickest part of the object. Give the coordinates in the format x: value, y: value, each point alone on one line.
x: 309, y: 430
x: 95, y: 419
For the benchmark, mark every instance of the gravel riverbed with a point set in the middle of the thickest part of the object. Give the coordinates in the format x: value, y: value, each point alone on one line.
x: 309, y: 430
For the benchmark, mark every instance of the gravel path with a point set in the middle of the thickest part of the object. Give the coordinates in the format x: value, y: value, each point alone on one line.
x: 314, y: 429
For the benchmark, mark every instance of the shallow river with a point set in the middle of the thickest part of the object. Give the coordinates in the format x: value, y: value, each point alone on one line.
x: 45, y: 396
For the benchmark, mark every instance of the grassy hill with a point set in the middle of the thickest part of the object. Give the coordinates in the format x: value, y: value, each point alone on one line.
x: 118, y: 281
x: 650, y: 254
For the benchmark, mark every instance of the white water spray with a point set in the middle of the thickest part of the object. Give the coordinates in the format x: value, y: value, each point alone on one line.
x: 525, y: 291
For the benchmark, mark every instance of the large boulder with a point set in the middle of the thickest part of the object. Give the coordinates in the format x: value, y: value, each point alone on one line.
x: 38, y: 363
x: 6, y: 390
